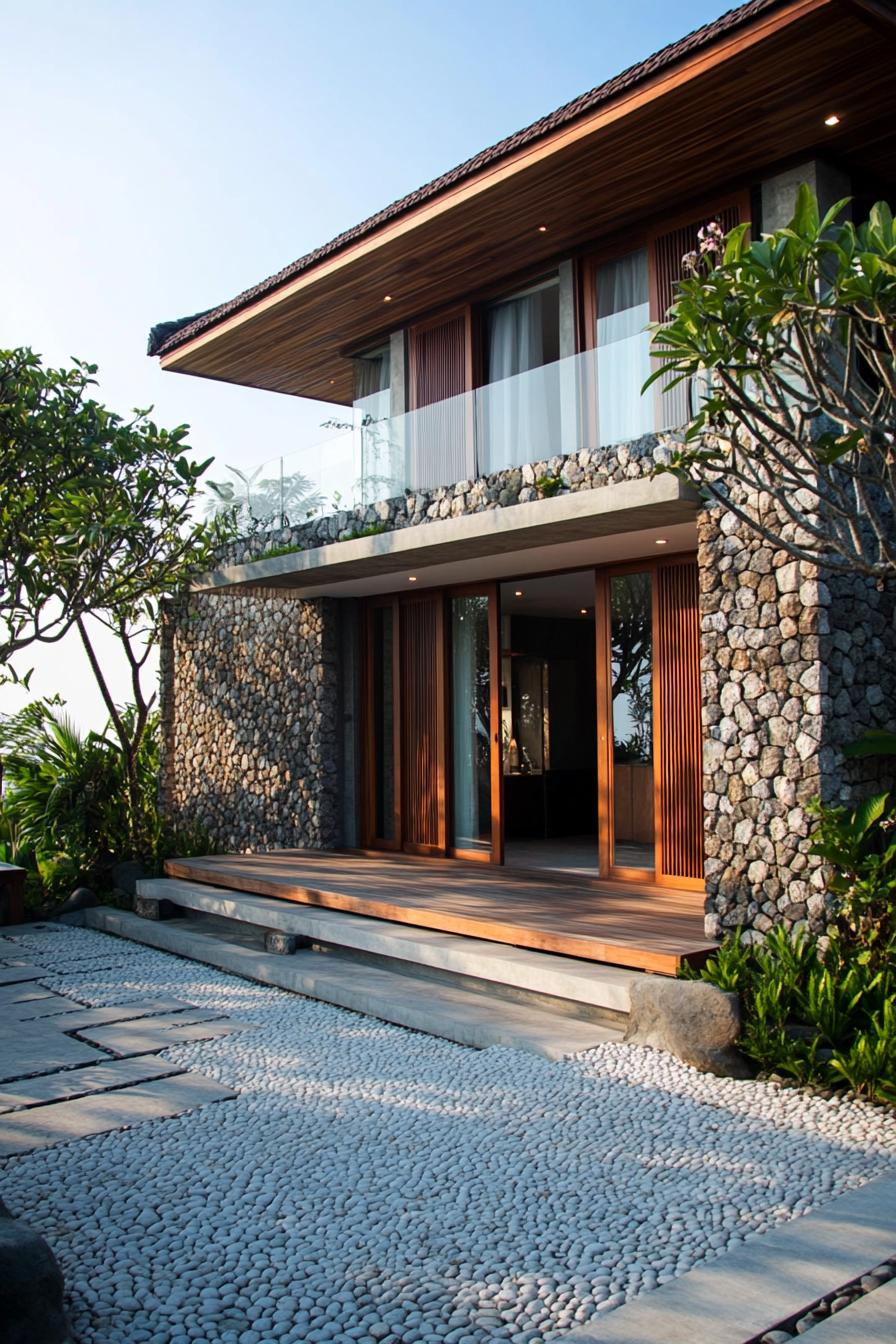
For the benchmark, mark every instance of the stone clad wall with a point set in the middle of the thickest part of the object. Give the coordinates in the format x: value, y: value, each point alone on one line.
x: 793, y: 668
x: 250, y: 717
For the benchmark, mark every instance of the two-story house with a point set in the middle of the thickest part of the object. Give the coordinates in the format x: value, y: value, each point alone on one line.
x: 511, y: 643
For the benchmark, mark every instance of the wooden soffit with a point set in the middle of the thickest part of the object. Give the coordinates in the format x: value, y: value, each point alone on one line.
x: 718, y: 118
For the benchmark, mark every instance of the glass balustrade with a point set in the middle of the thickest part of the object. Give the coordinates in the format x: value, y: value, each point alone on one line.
x: 586, y: 401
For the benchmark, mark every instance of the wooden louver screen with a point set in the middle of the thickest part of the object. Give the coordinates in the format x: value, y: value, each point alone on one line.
x: 681, y: 747
x: 440, y: 442
x: 439, y: 360
x: 422, y: 767
x: 669, y: 249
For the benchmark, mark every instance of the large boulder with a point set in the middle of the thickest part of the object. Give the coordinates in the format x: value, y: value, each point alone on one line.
x: 31, y: 1288
x: 692, y: 1019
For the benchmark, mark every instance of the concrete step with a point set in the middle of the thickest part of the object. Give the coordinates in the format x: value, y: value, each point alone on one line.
x: 589, y: 988
x: 461, y: 1015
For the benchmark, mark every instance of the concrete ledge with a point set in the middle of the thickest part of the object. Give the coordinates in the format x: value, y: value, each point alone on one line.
x: 575, y: 516
x: 582, y: 982
x: 748, y: 1291
x: 440, y: 1010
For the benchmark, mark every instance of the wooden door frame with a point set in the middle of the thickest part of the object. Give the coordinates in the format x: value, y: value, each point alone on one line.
x: 656, y: 876
x: 368, y: 764
x: 490, y: 588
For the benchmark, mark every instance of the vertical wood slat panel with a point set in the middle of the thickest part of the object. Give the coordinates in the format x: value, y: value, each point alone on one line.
x: 680, y: 744
x: 440, y: 446
x: 422, y: 767
x: 669, y: 249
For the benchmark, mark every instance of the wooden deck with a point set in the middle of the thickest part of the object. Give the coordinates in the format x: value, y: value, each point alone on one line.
x: 648, y: 928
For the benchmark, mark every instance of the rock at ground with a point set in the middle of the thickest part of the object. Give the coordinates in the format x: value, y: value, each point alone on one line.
x: 31, y: 1287
x: 692, y: 1019
x: 152, y: 907
x: 82, y: 898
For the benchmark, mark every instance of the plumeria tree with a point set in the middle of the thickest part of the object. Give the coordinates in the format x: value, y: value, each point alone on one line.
x: 789, y: 342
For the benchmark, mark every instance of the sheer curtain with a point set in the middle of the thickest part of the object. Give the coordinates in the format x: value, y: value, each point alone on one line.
x: 623, y: 353
x: 381, y: 467
x: 519, y: 406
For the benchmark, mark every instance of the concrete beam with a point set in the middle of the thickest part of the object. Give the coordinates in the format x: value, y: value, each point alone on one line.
x: 629, y: 506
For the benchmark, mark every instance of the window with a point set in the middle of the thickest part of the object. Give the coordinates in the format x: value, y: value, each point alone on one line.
x: 518, y: 404
x: 623, y: 349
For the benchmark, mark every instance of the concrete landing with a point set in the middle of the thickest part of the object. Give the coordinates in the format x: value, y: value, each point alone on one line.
x: 746, y: 1293
x: 586, y: 984
x: 425, y: 1005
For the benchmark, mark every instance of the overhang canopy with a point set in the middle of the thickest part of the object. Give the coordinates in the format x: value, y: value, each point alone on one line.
x: 614, y: 522
x: 749, y: 91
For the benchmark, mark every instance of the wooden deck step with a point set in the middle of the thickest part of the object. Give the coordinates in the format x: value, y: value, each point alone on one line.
x: 645, y: 928
x: 588, y: 987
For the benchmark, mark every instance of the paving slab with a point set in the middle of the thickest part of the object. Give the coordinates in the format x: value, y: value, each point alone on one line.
x: 47, y: 1006
x: 869, y: 1320
x: 148, y: 1037
x: 769, y: 1279
x: 43, y: 1126
x: 75, y: 1016
x: 13, y: 975
x: 34, y: 1047
x: 27, y: 992
x: 54, y: 1087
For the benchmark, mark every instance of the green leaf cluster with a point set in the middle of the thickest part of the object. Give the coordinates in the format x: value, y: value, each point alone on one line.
x: 788, y: 345
x: 65, y: 811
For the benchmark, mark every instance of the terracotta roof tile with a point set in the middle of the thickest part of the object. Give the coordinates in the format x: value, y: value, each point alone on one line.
x: 168, y: 336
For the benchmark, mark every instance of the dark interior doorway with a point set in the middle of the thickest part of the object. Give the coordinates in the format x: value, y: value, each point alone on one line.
x: 549, y: 722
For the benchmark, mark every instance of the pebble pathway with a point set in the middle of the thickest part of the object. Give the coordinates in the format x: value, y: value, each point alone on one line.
x: 375, y: 1184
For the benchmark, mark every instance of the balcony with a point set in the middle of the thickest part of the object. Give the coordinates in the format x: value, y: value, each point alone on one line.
x: 586, y: 401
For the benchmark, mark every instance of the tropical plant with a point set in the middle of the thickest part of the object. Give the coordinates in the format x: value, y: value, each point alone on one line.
x: 97, y: 527
x: 813, y: 1010
x: 64, y: 810
x: 791, y: 339
x: 254, y: 501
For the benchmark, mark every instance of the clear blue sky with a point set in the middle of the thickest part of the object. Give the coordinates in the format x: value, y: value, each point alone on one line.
x: 161, y: 156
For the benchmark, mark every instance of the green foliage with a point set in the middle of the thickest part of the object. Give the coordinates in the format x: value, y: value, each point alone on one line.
x: 281, y: 550
x: 822, y: 1015
x: 790, y: 342
x: 371, y: 530
x: 548, y: 486
x: 96, y: 511
x: 859, y: 844
x: 65, y: 812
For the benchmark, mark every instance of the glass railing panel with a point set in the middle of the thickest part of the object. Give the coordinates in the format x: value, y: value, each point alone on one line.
x: 587, y: 401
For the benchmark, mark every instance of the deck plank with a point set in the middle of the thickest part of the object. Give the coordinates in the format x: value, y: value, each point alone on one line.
x: 650, y: 928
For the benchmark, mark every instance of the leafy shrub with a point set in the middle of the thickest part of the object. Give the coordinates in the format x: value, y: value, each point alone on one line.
x: 819, y: 1012
x: 860, y: 847
x: 65, y: 814
x: 548, y: 486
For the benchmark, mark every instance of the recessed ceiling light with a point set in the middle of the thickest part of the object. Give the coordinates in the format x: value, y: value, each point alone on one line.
x: 832, y: 120
x: 583, y: 611
x: 518, y: 593
x: 661, y: 541
x: 387, y: 298
x: 412, y: 578
x: 542, y: 228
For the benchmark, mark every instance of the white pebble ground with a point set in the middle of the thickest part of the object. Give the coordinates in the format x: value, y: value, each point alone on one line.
x: 374, y: 1184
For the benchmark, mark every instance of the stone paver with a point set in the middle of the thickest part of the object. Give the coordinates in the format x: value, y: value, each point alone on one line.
x: 767, y: 1280
x: 54, y: 1087
x: 143, y: 1038
x: 43, y: 1126
x: 37, y: 1047
x: 13, y: 975
x: 76, y: 1017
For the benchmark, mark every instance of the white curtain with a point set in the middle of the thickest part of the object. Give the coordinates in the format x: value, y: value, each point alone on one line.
x: 381, y: 468
x: 623, y: 353
x: 519, y: 406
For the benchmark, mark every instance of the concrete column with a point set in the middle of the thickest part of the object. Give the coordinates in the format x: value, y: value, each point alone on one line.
x: 829, y: 183
x: 399, y: 377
